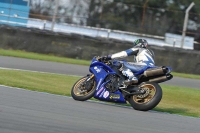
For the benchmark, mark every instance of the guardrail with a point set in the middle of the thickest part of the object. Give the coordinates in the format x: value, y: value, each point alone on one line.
x: 94, y: 32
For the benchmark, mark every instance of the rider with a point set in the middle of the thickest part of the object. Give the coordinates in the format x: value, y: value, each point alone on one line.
x: 143, y: 58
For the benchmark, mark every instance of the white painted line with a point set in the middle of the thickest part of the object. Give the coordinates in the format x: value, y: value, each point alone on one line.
x: 34, y: 91
x: 102, y: 102
x: 46, y: 93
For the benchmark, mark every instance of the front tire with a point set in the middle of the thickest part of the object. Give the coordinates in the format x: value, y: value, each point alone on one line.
x: 82, y: 90
x: 149, y: 100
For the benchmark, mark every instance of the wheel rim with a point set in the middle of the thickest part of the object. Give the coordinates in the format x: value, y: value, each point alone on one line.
x: 144, y: 98
x: 79, y: 90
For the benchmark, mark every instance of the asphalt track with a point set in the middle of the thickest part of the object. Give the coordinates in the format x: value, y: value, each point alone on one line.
x: 23, y: 111
x: 62, y: 68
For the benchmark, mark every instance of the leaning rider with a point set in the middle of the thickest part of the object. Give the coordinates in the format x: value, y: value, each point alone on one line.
x: 143, y: 58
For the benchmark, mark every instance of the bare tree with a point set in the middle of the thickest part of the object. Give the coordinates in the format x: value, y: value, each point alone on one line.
x: 69, y: 11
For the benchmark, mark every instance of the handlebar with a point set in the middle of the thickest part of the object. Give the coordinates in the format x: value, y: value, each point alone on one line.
x: 103, y: 61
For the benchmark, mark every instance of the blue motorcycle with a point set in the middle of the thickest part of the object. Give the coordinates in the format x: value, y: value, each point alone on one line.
x: 106, y: 83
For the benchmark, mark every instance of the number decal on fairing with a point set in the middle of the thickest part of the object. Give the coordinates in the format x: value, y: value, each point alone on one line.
x: 97, y: 69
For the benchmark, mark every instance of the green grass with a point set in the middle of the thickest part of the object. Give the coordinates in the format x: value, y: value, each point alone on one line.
x: 180, y: 100
x: 176, y: 100
x: 184, y: 75
x: 44, y: 82
x: 36, y: 56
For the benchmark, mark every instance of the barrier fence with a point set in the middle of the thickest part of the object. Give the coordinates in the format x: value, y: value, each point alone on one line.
x: 15, y: 16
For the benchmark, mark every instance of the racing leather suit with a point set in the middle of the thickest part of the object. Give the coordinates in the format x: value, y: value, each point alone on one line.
x: 143, y: 57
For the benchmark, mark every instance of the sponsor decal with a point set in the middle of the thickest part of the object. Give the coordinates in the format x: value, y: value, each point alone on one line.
x: 114, y: 96
x: 97, y: 69
x: 106, y: 94
x: 102, y: 93
x: 99, y: 91
x: 99, y: 83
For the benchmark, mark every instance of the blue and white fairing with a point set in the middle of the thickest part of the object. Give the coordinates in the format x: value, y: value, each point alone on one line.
x: 98, y: 69
x: 101, y: 71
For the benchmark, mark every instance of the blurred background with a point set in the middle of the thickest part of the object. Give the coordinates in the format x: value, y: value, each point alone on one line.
x: 164, y: 22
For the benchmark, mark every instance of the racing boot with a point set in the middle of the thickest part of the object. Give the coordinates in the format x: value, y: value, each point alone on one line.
x: 131, y: 77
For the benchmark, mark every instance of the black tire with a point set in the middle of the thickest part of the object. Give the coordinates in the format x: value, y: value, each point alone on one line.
x: 147, y: 101
x: 82, y: 96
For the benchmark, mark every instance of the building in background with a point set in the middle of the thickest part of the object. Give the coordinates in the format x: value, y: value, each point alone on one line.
x: 14, y: 12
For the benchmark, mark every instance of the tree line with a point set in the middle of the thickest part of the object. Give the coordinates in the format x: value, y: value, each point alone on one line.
x: 154, y: 17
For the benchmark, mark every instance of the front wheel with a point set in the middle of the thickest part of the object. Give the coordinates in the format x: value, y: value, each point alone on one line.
x: 149, y: 100
x: 84, y: 88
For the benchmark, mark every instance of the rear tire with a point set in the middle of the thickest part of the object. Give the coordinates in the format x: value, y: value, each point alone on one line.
x: 149, y: 100
x: 82, y: 92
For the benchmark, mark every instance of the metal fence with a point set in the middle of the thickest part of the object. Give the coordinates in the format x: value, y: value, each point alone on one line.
x: 10, y: 15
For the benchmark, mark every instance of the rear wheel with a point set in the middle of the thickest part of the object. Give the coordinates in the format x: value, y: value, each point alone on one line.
x: 83, y: 90
x: 147, y: 101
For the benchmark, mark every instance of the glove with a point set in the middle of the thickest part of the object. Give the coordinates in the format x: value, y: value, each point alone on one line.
x: 105, y: 58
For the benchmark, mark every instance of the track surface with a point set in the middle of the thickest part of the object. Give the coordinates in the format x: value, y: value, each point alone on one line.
x: 62, y: 68
x: 23, y: 111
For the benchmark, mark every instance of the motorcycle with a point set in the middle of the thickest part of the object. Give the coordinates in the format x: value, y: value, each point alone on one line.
x: 106, y: 83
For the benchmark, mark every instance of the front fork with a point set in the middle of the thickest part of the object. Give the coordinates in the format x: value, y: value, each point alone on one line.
x: 87, y: 84
x: 90, y: 76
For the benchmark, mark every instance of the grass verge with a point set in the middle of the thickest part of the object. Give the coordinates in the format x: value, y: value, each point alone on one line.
x: 180, y: 100
x: 45, y: 57
x: 176, y: 100
x: 36, y: 81
x: 36, y: 56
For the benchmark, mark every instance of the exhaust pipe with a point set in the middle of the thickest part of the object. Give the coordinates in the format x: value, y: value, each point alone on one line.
x: 156, y: 71
x: 162, y: 78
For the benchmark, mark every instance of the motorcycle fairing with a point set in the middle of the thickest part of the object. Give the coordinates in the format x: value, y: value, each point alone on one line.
x: 99, y: 70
